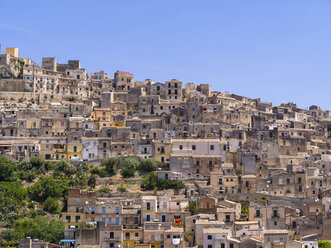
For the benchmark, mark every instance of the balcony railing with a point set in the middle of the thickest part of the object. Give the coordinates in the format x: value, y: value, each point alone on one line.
x: 114, y: 239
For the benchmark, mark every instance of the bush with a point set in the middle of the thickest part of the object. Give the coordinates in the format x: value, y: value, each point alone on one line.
x: 121, y: 189
x: 92, y: 180
x: 64, y: 168
x: 152, y: 182
x: 324, y: 244
x: 46, y: 187
x: 98, y: 171
x: 49, y: 230
x: 7, y: 169
x: 52, y: 206
x: 12, y: 199
x: 128, y: 171
x: 147, y: 165
x: 130, y: 166
x: 192, y: 207
x: 104, y: 190
x: 110, y: 165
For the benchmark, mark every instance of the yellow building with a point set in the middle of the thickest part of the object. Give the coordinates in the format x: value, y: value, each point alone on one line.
x: 75, y: 149
x: 132, y: 236
x: 72, y: 219
x: 13, y: 51
x: 162, y: 151
x: 101, y: 114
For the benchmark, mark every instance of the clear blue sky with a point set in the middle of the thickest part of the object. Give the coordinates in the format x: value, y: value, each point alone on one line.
x: 278, y: 50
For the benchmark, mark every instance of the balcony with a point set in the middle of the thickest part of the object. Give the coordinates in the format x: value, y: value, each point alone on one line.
x: 258, y: 216
x: 113, y: 239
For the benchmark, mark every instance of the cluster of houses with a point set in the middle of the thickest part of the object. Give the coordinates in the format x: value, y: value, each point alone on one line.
x: 225, y: 147
x: 166, y: 220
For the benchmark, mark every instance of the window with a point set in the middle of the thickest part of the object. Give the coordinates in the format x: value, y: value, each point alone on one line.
x: 109, y: 220
x: 180, y: 147
x: 209, y: 237
x: 212, y: 147
x: 103, y: 210
x: 148, y: 206
x: 258, y: 213
x: 117, y: 210
x: 127, y: 235
x: 210, y: 246
x: 275, y: 213
x: 136, y: 234
x: 148, y: 217
x: 193, y: 147
x: 103, y: 219
x: 111, y: 235
x: 75, y: 148
x: 117, y: 220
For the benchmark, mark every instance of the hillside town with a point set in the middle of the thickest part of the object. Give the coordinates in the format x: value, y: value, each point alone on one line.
x: 253, y: 174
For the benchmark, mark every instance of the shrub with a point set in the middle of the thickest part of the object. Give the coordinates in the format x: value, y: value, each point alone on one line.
x: 98, y: 171
x: 130, y: 166
x: 65, y: 168
x: 147, y: 165
x: 50, y: 230
x: 46, y: 187
x: 52, y: 206
x: 110, y: 164
x: 152, y: 182
x: 6, y: 169
x: 92, y: 180
x: 104, y: 190
x: 192, y: 207
x: 121, y: 189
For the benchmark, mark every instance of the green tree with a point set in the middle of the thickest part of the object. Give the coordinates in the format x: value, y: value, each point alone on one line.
x: 192, y: 207
x: 12, y: 197
x: 64, y: 168
x: 50, y: 230
x: 46, y: 187
x: 7, y: 169
x: 101, y: 172
x: 150, y: 181
x: 110, y: 165
x: 92, y: 180
x: 52, y: 206
x: 130, y: 166
x: 147, y: 165
x: 37, y: 162
x: 324, y: 244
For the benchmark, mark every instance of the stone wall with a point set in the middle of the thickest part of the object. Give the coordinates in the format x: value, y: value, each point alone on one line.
x: 26, y: 96
x: 12, y: 85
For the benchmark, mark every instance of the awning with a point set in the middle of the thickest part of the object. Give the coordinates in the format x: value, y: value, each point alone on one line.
x: 67, y: 240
